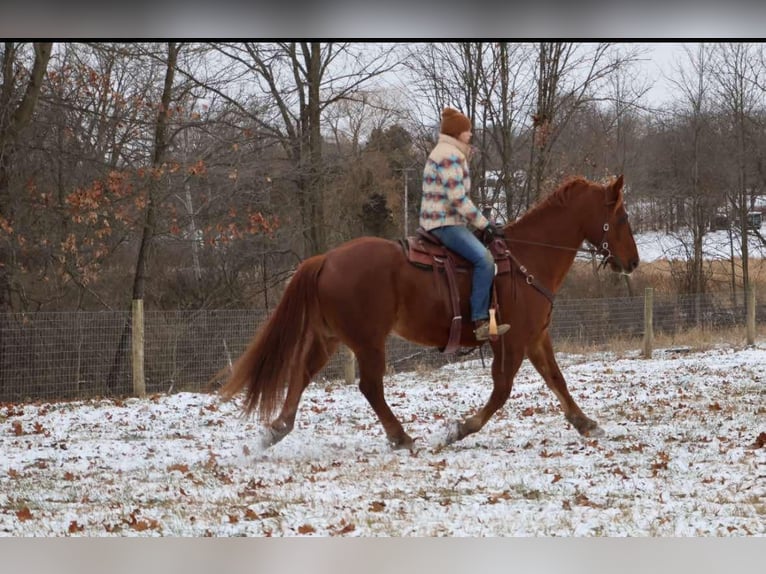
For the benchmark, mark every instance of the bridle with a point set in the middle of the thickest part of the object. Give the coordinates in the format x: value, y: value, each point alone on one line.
x: 600, y: 249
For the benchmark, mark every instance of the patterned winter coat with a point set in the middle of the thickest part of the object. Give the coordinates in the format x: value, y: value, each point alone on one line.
x: 446, y: 187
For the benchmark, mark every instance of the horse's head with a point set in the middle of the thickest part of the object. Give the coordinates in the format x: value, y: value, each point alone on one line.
x: 609, y: 231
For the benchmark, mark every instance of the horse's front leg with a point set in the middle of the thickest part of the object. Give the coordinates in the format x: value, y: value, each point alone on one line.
x: 542, y: 357
x: 502, y: 376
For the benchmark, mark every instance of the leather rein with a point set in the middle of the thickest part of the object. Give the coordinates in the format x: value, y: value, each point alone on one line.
x: 601, y: 249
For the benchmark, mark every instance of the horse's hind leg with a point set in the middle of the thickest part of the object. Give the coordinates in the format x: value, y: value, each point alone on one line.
x: 319, y: 352
x: 542, y: 357
x: 372, y: 367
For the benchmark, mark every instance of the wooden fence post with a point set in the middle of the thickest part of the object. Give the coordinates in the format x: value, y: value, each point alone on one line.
x: 648, y: 322
x: 750, y: 306
x: 349, y: 366
x: 139, y: 383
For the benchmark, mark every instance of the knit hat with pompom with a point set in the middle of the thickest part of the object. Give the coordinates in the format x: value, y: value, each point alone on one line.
x: 454, y: 123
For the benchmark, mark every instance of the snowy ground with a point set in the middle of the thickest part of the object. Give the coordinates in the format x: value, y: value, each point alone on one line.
x: 683, y: 456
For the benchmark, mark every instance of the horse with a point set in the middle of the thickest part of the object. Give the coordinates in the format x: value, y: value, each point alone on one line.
x: 361, y: 291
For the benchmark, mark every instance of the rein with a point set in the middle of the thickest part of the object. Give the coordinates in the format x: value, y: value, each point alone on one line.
x: 601, y: 249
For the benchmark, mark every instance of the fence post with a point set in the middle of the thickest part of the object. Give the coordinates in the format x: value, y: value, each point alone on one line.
x: 349, y: 366
x: 750, y: 314
x: 648, y: 322
x: 139, y: 383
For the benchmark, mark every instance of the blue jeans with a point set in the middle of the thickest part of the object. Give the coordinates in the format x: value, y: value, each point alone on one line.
x: 459, y: 239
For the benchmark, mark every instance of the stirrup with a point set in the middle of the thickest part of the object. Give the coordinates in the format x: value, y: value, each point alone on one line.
x: 481, y: 329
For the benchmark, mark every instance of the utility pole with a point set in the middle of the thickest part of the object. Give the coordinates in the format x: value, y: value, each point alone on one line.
x: 405, y: 171
x: 406, y: 203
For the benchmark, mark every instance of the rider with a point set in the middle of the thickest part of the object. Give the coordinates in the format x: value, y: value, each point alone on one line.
x: 446, y: 208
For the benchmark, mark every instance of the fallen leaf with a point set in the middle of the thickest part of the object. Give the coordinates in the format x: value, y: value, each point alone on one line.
x: 346, y: 529
x: 24, y: 514
x: 377, y: 506
x: 74, y: 527
x: 306, y: 529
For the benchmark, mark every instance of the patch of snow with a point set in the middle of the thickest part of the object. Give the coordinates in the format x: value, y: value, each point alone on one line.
x: 679, y: 458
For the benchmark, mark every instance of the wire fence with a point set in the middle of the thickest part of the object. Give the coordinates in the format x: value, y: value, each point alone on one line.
x: 68, y: 355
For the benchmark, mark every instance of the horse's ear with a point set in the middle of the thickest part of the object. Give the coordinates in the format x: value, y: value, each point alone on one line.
x: 615, y: 192
x: 617, y: 185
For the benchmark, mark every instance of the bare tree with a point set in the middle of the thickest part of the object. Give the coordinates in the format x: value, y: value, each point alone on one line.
x: 739, y: 96
x: 16, y: 109
x: 569, y: 75
x: 298, y: 82
x: 693, y: 82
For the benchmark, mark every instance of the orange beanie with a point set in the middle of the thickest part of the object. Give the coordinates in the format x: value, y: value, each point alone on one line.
x: 454, y: 123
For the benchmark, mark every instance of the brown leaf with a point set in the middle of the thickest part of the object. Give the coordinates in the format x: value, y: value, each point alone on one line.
x: 760, y: 442
x: 183, y: 468
x: 346, y: 529
x: 440, y: 465
x: 24, y: 514
x: 251, y: 514
x: 582, y: 500
x: 141, y: 524
x: 306, y: 529
x: 377, y: 506
x: 17, y: 429
x: 74, y: 527
x: 528, y: 412
x: 68, y: 476
x: 233, y: 519
x: 13, y: 473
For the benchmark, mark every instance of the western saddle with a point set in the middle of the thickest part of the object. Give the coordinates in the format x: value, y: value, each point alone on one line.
x: 425, y: 250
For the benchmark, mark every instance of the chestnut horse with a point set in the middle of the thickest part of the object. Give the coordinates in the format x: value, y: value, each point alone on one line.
x: 362, y: 290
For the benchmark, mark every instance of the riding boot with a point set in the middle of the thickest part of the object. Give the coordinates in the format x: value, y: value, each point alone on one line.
x: 481, y: 329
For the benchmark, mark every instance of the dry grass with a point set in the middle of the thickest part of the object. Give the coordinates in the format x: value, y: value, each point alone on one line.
x: 665, y: 277
x: 696, y: 339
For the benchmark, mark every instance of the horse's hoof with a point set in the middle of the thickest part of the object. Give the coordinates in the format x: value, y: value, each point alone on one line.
x: 266, y: 439
x: 401, y: 443
x: 595, y: 432
x: 452, y: 434
x: 271, y: 436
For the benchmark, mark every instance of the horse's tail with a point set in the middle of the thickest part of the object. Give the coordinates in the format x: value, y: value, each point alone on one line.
x: 276, y: 353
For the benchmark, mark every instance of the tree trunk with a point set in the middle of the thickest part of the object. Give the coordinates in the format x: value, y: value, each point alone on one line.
x: 315, y: 180
x: 9, y: 136
x: 10, y: 131
x: 149, y: 229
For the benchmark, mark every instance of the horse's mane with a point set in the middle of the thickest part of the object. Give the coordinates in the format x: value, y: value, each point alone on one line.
x: 558, y: 197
